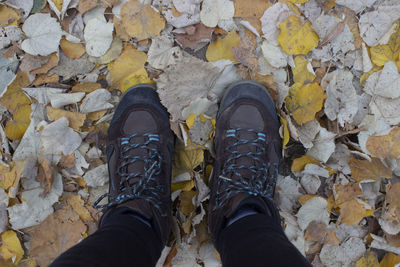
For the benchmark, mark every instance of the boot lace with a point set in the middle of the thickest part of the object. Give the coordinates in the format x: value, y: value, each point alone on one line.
x: 141, y: 185
x: 262, y: 179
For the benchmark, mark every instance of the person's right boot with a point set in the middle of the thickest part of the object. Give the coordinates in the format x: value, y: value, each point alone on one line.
x: 248, y: 152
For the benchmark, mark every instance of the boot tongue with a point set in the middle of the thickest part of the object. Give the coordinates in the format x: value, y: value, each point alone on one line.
x: 244, y: 149
x: 139, y: 206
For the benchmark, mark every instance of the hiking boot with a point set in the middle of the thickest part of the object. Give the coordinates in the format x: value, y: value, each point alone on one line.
x: 248, y: 152
x: 139, y: 155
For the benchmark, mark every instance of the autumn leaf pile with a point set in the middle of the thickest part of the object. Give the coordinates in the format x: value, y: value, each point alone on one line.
x: 332, y: 68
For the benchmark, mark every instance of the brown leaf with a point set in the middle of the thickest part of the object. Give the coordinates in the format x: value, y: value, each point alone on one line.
x: 75, y: 119
x: 315, y: 231
x: 352, y: 212
x: 68, y: 161
x: 368, y: 170
x: 45, y: 175
x: 386, y: 146
x: 245, y: 53
x: 72, y: 50
x: 254, y: 10
x: 51, y: 63
x: 78, y: 205
x: 197, y: 40
x: 344, y: 193
x: 85, y: 87
x: 45, y: 78
x: 60, y: 231
x: 86, y: 5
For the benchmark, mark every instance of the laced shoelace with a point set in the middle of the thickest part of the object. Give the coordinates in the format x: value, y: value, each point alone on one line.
x: 263, y: 174
x: 145, y: 186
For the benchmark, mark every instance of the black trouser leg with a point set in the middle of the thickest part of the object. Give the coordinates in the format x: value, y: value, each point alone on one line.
x: 122, y: 240
x: 257, y: 240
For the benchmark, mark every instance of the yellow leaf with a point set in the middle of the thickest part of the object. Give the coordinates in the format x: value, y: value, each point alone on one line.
x: 352, y: 212
x: 127, y: 63
x: 390, y: 260
x: 304, y: 101
x: 75, y: 119
x: 368, y: 170
x: 11, y: 246
x: 78, y: 205
x: 190, y: 120
x: 85, y: 87
x: 298, y: 1
x: 286, y: 135
x: 221, y: 48
x: 97, y: 115
x: 184, y: 186
x: 8, y: 16
x: 186, y: 202
x: 301, y: 72
x: 300, y: 163
x: 296, y: 38
x: 16, y: 128
x: 380, y: 54
x: 72, y: 50
x: 369, y: 259
x: 58, y: 4
x: 139, y: 76
x: 386, y: 146
x: 141, y: 21
x: 44, y: 78
x: 10, y: 176
x: 14, y: 96
x: 186, y: 160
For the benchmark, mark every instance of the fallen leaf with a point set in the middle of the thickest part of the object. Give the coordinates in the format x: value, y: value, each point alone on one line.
x: 85, y: 87
x: 72, y: 50
x: 97, y: 176
x: 16, y: 128
x: 58, y: 139
x: 298, y: 1
x: 138, y: 77
x: 45, y: 175
x: 51, y: 63
x: 112, y: 53
x: 285, y: 132
x: 98, y: 41
x: 299, y: 163
x: 302, y: 72
x: 95, y: 101
x: 296, y: 38
x: 345, y: 193
x: 8, y: 16
x: 197, y: 40
x: 221, y: 48
x: 11, y: 247
x: 10, y: 176
x: 373, y: 25
x: 186, y: 160
x: 14, y: 96
x: 386, y: 146
x: 75, y: 119
x: 368, y: 170
x: 315, y: 209
x: 187, y: 206
x: 44, y: 35
x: 304, y: 101
x: 344, y: 254
x: 271, y: 20
x: 130, y: 61
x: 342, y: 101
x: 70, y: 67
x: 68, y: 161
x: 141, y: 21
x: 60, y: 231
x: 390, y: 260
x: 87, y: 5
x: 217, y: 12
x: 42, y: 79
x: 369, y: 259
x: 255, y: 10
x: 187, y: 80
x: 77, y: 204
x: 323, y: 146
x: 352, y: 212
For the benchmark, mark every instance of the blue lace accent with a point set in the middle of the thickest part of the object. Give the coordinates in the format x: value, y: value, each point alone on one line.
x: 146, y: 185
x: 263, y: 174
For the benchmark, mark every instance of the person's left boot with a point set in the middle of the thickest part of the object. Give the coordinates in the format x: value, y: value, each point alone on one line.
x: 139, y: 154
